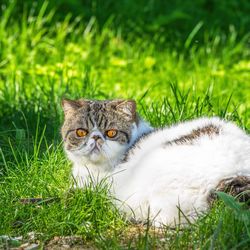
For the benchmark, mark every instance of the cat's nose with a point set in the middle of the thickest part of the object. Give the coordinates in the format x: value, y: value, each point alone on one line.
x: 96, y: 137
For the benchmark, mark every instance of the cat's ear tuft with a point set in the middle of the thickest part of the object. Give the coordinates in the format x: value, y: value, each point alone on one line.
x: 127, y: 108
x: 71, y: 105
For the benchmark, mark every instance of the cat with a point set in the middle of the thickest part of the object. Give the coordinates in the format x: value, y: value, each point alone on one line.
x: 154, y: 172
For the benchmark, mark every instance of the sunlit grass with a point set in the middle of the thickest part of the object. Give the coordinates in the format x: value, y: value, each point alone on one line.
x: 42, y: 61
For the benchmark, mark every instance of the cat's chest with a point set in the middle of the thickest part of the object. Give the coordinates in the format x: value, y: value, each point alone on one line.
x: 85, y: 172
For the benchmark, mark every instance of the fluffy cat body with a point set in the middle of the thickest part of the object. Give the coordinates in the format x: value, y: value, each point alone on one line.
x: 157, y: 172
x: 161, y: 174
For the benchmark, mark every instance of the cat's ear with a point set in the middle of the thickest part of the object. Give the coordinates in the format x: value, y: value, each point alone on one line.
x: 71, y: 105
x: 126, y: 108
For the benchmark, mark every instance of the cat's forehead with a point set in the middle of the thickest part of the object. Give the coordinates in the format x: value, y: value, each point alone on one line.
x: 105, y: 107
x: 100, y: 114
x: 96, y: 106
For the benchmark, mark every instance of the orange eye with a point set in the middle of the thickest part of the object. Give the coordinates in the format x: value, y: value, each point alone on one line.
x: 111, y: 133
x: 81, y: 132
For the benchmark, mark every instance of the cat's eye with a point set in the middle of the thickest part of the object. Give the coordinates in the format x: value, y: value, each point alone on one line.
x: 81, y: 132
x: 111, y: 133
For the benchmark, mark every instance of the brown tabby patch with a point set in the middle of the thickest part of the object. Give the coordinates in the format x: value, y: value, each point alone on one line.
x: 236, y: 186
x: 209, y: 130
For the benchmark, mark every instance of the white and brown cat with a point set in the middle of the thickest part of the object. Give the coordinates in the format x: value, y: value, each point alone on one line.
x: 154, y: 172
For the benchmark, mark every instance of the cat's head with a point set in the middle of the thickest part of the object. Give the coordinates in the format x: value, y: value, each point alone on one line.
x: 98, y: 132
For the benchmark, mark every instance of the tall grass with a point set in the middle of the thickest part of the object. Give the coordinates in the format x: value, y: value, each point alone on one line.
x: 42, y: 61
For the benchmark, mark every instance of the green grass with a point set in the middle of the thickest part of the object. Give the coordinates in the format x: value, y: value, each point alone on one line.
x: 42, y: 61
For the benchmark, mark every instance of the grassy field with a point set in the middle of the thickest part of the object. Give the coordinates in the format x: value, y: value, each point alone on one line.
x: 43, y: 60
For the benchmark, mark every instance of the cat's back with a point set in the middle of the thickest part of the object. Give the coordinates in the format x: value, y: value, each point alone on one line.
x: 201, y: 142
x: 181, y: 165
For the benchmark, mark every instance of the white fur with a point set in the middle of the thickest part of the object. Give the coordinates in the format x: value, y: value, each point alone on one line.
x: 159, y: 178
x: 104, y: 164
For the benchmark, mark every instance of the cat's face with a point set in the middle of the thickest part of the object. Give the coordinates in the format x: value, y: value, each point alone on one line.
x: 99, y: 131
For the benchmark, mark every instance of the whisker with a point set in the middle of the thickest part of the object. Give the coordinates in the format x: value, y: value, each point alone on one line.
x: 106, y: 155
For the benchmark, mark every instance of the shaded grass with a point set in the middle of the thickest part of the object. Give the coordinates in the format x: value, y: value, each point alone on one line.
x: 40, y: 62
x: 160, y: 21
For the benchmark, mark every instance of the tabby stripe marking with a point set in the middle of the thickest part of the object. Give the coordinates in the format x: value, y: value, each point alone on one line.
x: 100, y: 120
x: 92, y: 122
x: 126, y: 135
